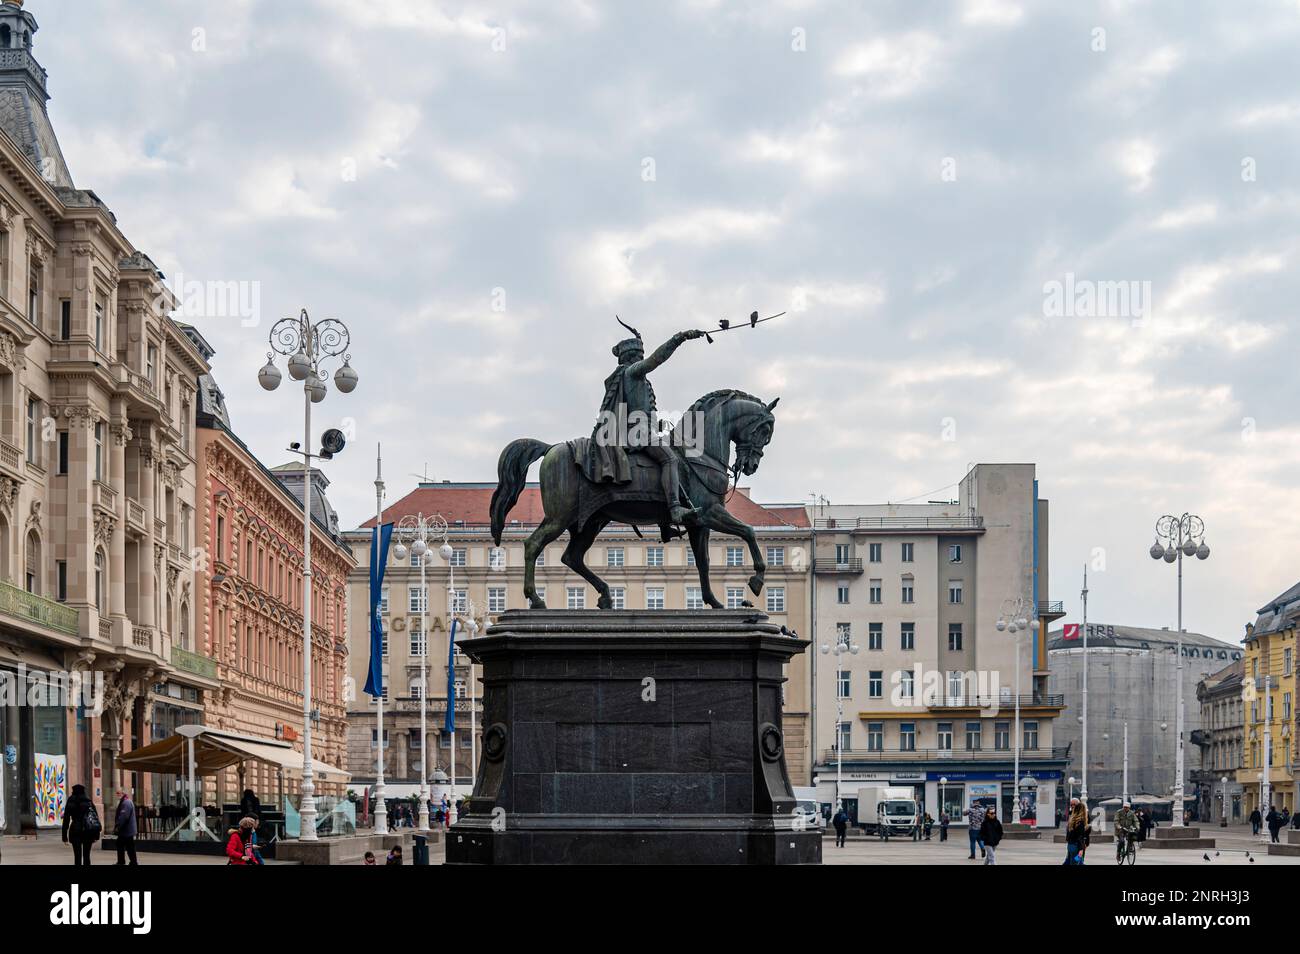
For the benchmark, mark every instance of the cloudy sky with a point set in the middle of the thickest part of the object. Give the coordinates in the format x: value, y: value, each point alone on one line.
x: 476, y: 189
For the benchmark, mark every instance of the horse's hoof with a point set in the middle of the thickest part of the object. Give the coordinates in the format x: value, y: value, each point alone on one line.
x: 716, y: 605
x: 604, y: 603
x: 756, y: 584
x: 537, y: 604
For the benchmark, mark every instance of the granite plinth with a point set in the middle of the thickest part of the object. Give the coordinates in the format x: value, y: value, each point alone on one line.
x: 632, y: 737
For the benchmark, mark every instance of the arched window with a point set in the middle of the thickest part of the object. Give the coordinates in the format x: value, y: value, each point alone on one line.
x: 4, y: 548
x: 185, y: 626
x: 6, y: 36
x: 32, y: 569
x: 101, y: 579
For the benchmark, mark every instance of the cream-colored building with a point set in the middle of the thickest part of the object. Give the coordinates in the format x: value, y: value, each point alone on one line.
x: 96, y: 459
x: 927, y: 701
x: 643, y: 574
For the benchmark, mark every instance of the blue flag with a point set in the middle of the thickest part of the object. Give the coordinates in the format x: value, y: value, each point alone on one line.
x: 378, y: 564
x: 449, y: 725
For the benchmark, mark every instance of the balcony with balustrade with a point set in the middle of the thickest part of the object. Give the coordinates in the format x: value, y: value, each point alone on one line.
x: 27, y: 609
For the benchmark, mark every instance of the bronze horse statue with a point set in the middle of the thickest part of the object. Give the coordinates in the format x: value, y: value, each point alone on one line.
x: 574, y: 503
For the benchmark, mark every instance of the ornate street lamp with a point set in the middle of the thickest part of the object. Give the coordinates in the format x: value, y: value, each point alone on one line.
x: 1178, y: 537
x: 1017, y: 615
x: 842, y: 646
x: 307, y: 345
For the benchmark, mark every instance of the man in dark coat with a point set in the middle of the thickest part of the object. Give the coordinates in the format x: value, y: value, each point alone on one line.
x: 841, y: 823
x: 125, y: 828
x: 991, y: 835
x: 80, y: 821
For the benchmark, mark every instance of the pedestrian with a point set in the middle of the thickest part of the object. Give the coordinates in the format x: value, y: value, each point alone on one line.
x: 81, y: 825
x: 241, y: 847
x: 944, y: 821
x: 841, y: 823
x: 917, y: 824
x: 394, y: 856
x: 1256, y: 819
x: 369, y: 858
x: 250, y: 807
x: 929, y: 825
x: 975, y: 818
x: 991, y: 835
x: 1076, y: 833
x: 1274, y: 821
x: 124, y: 827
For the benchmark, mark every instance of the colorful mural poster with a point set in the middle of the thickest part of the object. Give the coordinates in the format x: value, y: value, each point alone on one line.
x: 50, y: 789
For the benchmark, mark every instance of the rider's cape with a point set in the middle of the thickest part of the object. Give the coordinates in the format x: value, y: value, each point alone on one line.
x: 606, y: 461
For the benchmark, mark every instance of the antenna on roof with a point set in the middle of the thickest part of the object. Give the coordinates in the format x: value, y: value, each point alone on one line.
x: 425, y: 478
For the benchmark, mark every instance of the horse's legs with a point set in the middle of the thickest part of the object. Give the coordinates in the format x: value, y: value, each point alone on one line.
x: 547, y: 531
x: 580, y: 542
x: 699, y: 535
x: 718, y: 518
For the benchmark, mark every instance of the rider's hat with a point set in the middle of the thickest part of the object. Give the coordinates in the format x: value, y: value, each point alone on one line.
x: 627, y: 345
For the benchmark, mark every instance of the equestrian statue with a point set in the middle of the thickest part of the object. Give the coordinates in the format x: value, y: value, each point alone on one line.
x: 632, y: 470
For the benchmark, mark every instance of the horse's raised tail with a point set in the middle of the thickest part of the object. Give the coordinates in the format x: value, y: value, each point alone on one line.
x: 512, y: 472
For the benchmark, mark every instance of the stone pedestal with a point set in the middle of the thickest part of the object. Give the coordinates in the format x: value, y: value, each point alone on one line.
x: 1289, y: 848
x: 632, y: 737
x: 1171, y: 837
x: 1020, y: 831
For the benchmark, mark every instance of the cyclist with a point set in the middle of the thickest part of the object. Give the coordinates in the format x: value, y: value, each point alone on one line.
x: 1126, y: 826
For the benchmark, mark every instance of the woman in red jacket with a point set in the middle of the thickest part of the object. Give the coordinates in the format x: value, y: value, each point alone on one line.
x: 240, y: 848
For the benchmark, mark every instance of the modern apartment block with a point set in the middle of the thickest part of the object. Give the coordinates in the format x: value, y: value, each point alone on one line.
x: 928, y: 700
x: 1269, y: 687
x: 645, y: 574
x: 97, y: 468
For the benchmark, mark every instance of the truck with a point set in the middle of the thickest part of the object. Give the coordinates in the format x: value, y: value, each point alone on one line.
x: 886, y: 811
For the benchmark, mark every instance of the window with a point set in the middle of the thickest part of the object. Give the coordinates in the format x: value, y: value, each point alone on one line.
x: 374, y: 733
x: 842, y: 593
x: 577, y: 597
x: 617, y: 597
x: 1286, y: 662
x: 613, y: 556
x: 65, y: 320
x: 221, y: 537
x: 496, y: 599
x: 907, y: 636
x: 875, y: 552
x: 654, y: 556
x: 1286, y: 707
x: 417, y: 560
x: 497, y: 558
x: 843, y: 686
x: 99, y: 450
x: 383, y: 601
x: 33, y: 431
x: 844, y: 633
x: 151, y: 365
x: 876, y: 593
x: 876, y: 683
x: 457, y: 557
x: 943, y: 737
x: 875, y: 736
x: 34, y: 296
x: 419, y: 643
x: 776, y: 599
x: 99, y: 326
x: 735, y: 556
x: 954, y: 637
x: 690, y: 557
x: 875, y: 635
x: 909, y: 550
x: 735, y: 597
x: 99, y: 580
x: 418, y: 600
x: 776, y: 556
x: 654, y: 597
x: 907, y: 736
x: 973, y: 736
x: 61, y: 467
x: 694, y: 599
x: 541, y: 557
x: 844, y: 736
x: 909, y: 593
x: 956, y: 687
x: 1031, y: 735
x: 460, y: 600
x: 61, y: 580
x: 842, y: 551
x: 906, y: 683
x: 954, y: 553
x: 1001, y: 736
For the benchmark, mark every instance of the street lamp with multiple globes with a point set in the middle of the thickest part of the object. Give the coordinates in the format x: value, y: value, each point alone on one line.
x: 1181, y: 536
x: 1017, y: 615
x: 842, y: 646
x: 307, y: 345
x: 419, y: 530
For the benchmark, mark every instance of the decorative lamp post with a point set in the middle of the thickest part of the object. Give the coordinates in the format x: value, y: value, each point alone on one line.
x: 1016, y: 616
x: 418, y: 530
x: 842, y: 646
x: 308, y: 345
x: 1181, y: 536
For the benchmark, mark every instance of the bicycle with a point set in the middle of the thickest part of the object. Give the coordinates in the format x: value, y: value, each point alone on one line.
x: 1126, y: 849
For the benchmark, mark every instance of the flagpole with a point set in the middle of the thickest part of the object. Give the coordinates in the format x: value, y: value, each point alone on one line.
x: 381, y: 810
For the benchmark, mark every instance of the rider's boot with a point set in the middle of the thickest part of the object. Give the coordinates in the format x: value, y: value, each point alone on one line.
x: 673, y: 495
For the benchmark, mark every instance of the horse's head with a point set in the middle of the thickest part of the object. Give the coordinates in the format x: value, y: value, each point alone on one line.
x: 752, y: 432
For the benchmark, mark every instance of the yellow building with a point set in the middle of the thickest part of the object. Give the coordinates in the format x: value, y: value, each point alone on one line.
x: 1269, y: 694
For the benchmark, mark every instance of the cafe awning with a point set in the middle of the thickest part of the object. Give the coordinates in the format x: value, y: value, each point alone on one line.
x: 215, y: 750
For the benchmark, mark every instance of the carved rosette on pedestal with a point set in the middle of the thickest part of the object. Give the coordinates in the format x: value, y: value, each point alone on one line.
x: 632, y: 737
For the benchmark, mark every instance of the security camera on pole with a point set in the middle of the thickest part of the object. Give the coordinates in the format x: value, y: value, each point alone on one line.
x: 307, y: 345
x: 419, y: 530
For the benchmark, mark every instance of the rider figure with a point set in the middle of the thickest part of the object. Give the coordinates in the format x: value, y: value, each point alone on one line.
x: 1126, y: 823
x: 629, y: 397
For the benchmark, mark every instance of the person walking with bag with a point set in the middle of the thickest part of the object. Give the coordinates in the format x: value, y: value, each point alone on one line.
x: 124, y: 828
x: 241, y: 849
x: 841, y: 823
x: 81, y: 825
x: 1076, y: 833
x: 991, y: 835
